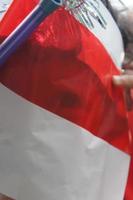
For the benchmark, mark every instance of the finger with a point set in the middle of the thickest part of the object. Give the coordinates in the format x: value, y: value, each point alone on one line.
x: 123, y: 80
x: 3, y: 197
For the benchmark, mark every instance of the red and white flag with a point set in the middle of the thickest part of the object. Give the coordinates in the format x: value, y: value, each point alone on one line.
x: 63, y: 126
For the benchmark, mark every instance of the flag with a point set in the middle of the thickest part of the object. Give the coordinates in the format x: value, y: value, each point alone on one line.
x: 64, y: 129
x: 129, y: 191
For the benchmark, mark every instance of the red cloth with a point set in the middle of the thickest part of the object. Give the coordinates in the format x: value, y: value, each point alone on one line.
x: 129, y: 188
x: 64, y: 68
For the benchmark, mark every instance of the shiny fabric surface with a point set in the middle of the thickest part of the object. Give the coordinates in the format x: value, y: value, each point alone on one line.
x: 64, y: 68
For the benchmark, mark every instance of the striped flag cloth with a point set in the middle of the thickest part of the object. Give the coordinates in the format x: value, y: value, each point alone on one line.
x: 64, y: 132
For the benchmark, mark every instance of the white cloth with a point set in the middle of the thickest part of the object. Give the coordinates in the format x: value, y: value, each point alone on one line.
x: 4, y: 4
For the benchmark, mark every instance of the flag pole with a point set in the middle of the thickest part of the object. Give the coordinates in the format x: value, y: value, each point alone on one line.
x: 26, y: 27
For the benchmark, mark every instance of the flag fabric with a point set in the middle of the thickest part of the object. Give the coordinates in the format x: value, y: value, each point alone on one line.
x: 64, y: 132
x: 129, y: 191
